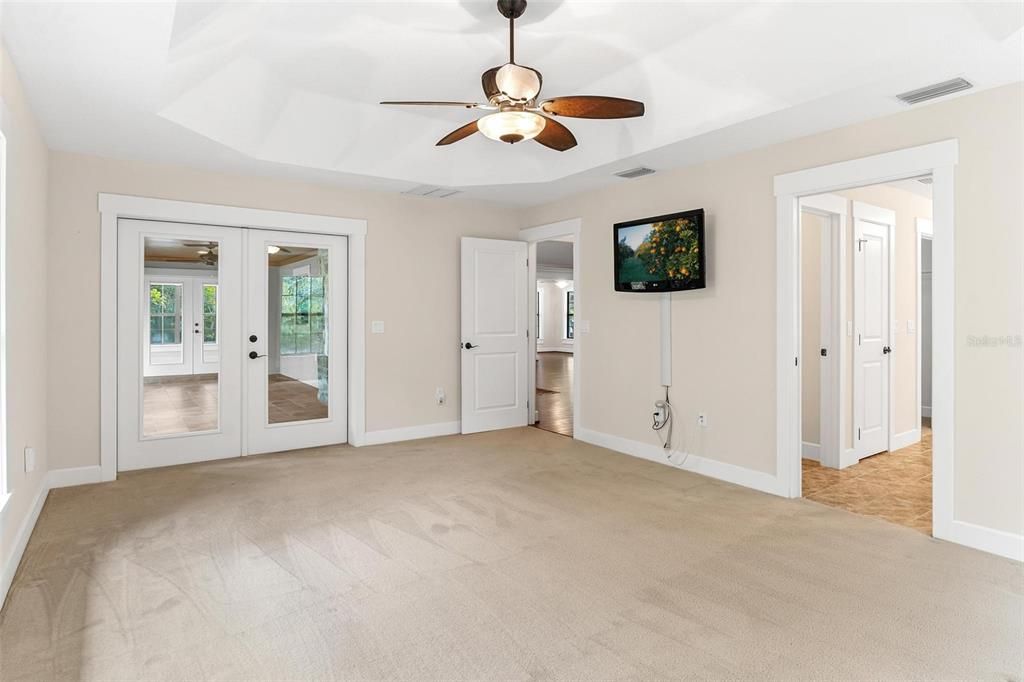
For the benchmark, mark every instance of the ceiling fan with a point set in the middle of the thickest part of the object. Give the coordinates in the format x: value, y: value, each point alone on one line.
x: 512, y: 95
x: 207, y: 251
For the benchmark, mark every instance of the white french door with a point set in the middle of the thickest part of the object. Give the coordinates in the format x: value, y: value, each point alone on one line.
x: 261, y: 320
x: 495, y: 341
x: 296, y: 346
x: 164, y: 420
x: 872, y: 349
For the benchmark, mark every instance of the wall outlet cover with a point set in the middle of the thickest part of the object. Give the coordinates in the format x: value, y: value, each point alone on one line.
x: 702, y: 419
x: 377, y: 327
x: 30, y: 460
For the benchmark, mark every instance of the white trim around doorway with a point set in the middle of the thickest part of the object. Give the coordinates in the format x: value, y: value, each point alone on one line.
x: 532, y: 235
x: 113, y: 207
x: 938, y: 159
x: 831, y: 450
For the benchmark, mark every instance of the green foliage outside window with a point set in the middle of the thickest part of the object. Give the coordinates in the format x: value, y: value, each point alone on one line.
x: 302, y: 315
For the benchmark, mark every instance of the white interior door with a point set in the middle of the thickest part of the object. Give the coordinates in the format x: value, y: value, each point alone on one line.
x: 165, y: 420
x: 872, y: 340
x: 495, y: 334
x: 296, y: 341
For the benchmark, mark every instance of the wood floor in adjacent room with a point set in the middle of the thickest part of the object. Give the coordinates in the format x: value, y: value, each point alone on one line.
x: 895, y: 486
x: 516, y: 554
x: 554, y: 392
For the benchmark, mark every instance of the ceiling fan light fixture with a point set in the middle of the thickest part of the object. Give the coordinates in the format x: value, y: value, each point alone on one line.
x: 511, y: 126
x: 517, y: 82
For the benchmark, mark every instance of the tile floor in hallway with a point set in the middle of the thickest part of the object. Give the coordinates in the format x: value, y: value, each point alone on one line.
x: 895, y: 486
x: 187, y: 404
x: 554, y: 392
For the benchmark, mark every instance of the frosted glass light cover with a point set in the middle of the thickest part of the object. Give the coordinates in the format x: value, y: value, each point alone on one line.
x: 511, y: 126
x: 517, y: 83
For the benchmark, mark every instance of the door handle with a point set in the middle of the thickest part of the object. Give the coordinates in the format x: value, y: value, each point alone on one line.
x: 886, y: 350
x: 469, y: 346
x: 253, y: 355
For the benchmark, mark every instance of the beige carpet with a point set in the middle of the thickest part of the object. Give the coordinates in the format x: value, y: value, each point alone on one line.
x: 512, y: 555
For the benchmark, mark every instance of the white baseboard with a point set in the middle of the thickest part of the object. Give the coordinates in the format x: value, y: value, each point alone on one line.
x: 758, y: 480
x: 1002, y: 543
x: 902, y: 440
x: 926, y: 411
x: 21, y: 541
x: 811, y: 451
x: 848, y: 458
x: 412, y: 433
x: 63, y: 478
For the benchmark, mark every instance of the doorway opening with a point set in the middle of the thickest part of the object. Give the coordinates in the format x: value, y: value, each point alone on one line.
x: 865, y: 344
x: 555, y: 332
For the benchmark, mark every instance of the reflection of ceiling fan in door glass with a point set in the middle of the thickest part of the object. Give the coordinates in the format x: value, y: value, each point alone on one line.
x: 207, y: 251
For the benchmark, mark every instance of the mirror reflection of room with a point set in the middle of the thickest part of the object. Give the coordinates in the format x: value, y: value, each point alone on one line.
x: 180, y: 342
x: 555, y: 328
x: 297, y: 363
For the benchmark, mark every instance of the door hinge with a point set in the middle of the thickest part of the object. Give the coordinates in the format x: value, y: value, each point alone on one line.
x: 858, y: 433
x: 796, y: 362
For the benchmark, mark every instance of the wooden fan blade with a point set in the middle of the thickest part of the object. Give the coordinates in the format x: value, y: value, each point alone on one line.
x: 592, y: 106
x: 459, y: 134
x: 468, y: 105
x: 556, y: 136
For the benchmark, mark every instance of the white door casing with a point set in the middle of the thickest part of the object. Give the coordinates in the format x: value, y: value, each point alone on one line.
x: 495, y: 324
x: 872, y: 325
x: 135, y: 450
x: 262, y: 436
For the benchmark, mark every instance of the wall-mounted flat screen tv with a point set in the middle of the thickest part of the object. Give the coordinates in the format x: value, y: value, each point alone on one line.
x: 665, y: 253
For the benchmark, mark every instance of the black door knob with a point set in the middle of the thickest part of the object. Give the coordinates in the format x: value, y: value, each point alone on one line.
x: 886, y: 350
x: 252, y: 338
x: 469, y: 346
x: 253, y: 355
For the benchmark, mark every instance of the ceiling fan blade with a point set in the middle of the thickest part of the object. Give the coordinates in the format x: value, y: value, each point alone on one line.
x: 459, y: 134
x: 592, y: 106
x: 467, y: 105
x: 556, y: 136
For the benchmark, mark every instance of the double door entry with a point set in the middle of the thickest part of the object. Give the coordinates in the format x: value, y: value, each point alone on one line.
x: 230, y: 342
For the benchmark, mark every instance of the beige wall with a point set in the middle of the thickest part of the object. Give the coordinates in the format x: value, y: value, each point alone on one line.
x: 412, y: 251
x: 26, y: 267
x: 724, y: 336
x: 908, y: 207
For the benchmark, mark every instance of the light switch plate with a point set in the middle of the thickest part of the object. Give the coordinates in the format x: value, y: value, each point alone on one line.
x: 583, y: 326
x: 911, y: 327
x: 30, y: 460
x: 377, y: 327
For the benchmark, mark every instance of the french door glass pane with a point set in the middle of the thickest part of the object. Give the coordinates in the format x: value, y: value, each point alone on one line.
x: 299, y: 368
x: 176, y: 398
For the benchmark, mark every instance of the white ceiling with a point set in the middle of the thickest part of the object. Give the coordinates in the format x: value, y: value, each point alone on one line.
x: 292, y: 89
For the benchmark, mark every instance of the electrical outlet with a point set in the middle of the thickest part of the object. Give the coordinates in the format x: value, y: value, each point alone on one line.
x: 377, y: 327
x: 439, y: 396
x: 702, y: 419
x: 660, y: 413
x: 30, y: 460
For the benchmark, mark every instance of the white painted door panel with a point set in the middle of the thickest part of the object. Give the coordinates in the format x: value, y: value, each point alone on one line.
x: 495, y: 327
x: 142, y: 443
x: 296, y: 397
x: 872, y: 338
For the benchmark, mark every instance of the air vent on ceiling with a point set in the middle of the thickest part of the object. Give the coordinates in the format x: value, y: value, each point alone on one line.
x: 432, y: 191
x: 936, y: 90
x: 637, y: 172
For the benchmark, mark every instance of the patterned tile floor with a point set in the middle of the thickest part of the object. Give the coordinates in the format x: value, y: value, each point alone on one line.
x: 895, y: 486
